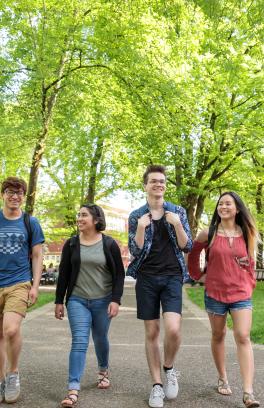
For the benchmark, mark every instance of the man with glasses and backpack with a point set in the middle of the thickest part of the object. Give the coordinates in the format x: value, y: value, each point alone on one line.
x: 21, y: 240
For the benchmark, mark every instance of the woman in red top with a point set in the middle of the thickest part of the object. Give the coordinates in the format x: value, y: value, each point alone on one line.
x: 229, y: 282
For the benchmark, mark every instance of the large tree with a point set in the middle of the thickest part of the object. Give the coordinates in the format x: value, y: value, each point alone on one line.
x: 177, y: 82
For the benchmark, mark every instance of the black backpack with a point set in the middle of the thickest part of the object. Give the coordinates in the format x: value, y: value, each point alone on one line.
x: 27, y: 223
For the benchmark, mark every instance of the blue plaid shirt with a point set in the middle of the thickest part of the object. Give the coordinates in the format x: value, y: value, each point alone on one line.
x: 140, y: 254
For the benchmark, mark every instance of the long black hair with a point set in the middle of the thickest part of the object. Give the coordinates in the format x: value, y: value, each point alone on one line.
x: 243, y: 218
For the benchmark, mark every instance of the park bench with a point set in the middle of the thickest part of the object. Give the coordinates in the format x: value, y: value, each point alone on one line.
x: 260, y: 274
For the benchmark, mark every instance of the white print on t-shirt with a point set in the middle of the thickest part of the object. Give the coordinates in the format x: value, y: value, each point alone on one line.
x: 11, y: 240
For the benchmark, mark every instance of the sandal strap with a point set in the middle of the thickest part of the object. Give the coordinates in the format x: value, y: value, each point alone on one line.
x: 249, y: 400
x: 223, y: 387
x: 103, y: 376
x: 247, y: 396
x: 70, y: 398
x: 223, y: 384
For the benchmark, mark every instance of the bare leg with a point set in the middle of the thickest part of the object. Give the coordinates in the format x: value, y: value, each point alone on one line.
x: 152, y: 330
x: 218, y: 326
x: 12, y: 336
x: 242, y: 320
x: 2, y: 351
x: 172, y: 340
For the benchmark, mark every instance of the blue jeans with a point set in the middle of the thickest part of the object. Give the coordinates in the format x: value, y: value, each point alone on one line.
x: 84, y: 315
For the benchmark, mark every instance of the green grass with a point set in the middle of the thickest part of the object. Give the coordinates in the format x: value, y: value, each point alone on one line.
x: 196, y: 295
x: 43, y: 299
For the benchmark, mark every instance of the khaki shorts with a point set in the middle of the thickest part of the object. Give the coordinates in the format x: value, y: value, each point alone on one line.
x: 15, y: 298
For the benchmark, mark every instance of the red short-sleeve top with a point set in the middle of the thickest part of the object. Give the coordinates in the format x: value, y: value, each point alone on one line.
x: 226, y: 280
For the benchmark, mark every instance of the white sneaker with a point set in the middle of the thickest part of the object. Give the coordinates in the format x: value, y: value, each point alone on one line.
x: 171, y: 386
x: 2, y: 390
x: 156, y: 397
x: 12, y: 387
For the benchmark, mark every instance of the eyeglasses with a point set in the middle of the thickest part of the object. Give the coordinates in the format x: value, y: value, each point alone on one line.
x: 12, y: 193
x: 155, y: 181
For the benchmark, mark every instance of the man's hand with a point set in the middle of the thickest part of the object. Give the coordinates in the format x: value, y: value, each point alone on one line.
x: 145, y: 220
x: 113, y: 309
x: 172, y: 218
x: 32, y: 296
x: 59, y: 312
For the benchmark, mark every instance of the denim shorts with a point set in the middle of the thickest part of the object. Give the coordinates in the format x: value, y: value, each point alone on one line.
x: 221, y: 308
x: 153, y: 291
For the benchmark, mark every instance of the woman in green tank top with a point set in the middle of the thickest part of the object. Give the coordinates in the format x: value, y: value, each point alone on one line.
x: 91, y: 280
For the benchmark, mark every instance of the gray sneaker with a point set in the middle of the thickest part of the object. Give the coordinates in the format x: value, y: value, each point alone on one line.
x: 156, y: 397
x: 2, y: 390
x: 171, y: 386
x: 12, y: 388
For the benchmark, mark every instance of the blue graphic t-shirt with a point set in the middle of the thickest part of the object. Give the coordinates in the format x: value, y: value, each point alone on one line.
x: 14, y: 261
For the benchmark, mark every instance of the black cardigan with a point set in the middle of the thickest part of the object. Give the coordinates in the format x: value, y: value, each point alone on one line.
x: 70, y: 268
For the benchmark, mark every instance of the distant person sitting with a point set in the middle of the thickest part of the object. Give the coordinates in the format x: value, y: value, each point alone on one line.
x: 50, y: 269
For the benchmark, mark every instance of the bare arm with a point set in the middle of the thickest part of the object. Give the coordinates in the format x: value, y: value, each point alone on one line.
x: 37, y: 262
x: 202, y: 236
x: 200, y: 243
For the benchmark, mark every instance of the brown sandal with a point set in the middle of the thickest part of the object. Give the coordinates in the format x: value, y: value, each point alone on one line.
x: 249, y: 400
x: 103, y: 380
x: 70, y: 400
x: 223, y: 387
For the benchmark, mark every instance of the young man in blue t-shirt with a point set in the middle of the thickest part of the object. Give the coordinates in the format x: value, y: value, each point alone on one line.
x: 16, y: 291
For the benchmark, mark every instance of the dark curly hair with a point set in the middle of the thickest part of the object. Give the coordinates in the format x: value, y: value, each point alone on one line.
x: 98, y: 215
x: 15, y: 183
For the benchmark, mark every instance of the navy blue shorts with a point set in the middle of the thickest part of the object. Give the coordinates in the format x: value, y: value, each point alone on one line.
x: 220, y: 308
x: 153, y: 291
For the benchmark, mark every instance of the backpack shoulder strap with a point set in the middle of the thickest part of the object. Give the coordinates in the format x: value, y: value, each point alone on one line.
x: 108, y: 241
x: 29, y: 229
x: 73, y: 240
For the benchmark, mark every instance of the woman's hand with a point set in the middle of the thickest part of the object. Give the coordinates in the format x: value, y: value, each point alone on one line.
x: 113, y: 309
x: 59, y: 312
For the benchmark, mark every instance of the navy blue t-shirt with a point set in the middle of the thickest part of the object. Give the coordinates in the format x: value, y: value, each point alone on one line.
x: 14, y: 260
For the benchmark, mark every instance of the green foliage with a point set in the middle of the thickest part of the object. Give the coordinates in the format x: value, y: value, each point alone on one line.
x: 99, y: 90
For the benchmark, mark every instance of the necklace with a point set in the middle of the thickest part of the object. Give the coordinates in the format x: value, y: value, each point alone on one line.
x: 230, y: 235
x: 243, y: 262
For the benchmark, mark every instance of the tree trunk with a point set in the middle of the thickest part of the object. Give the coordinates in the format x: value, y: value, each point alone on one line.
x: 259, y: 207
x: 259, y: 262
x: 94, y: 168
x: 191, y: 203
x: 48, y: 104
x: 194, y: 205
x: 34, y: 171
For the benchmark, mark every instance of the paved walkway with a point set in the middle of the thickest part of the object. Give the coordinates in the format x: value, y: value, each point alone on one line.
x: 44, y: 363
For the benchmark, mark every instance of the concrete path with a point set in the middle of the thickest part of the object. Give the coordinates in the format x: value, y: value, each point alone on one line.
x: 44, y: 363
